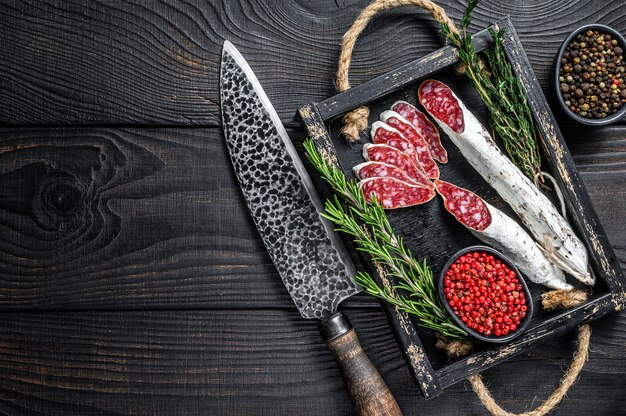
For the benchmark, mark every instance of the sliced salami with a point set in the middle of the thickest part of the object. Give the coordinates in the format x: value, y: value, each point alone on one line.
x: 492, y: 226
x: 468, y: 208
x: 384, y: 134
x: 539, y: 215
x: 425, y: 127
x: 401, y: 124
x: 381, y: 170
x: 393, y: 193
x: 392, y: 156
x: 439, y: 100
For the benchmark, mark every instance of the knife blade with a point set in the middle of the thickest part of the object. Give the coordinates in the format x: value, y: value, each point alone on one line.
x: 309, y: 256
x: 280, y: 195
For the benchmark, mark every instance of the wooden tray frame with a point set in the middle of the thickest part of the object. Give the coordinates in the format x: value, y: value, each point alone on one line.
x: 432, y: 382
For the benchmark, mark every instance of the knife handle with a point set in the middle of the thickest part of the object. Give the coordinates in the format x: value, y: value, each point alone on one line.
x: 368, y: 391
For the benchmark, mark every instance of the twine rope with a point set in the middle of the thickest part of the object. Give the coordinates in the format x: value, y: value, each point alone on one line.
x: 570, y: 377
x: 355, y: 121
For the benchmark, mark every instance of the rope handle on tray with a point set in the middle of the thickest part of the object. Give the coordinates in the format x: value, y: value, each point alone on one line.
x: 355, y: 121
x: 570, y: 377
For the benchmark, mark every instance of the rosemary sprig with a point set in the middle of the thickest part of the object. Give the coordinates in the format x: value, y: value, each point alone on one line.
x: 376, y: 238
x: 502, y: 93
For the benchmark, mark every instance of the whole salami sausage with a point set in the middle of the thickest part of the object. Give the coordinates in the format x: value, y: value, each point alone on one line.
x: 492, y: 226
x: 392, y: 156
x: 540, y: 216
x: 381, y: 170
x: 393, y: 193
x: 425, y: 127
x: 401, y: 124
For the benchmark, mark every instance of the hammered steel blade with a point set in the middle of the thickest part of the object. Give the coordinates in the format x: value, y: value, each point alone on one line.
x: 309, y: 256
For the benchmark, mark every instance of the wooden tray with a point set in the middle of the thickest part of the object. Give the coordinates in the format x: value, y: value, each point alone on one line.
x: 431, y: 233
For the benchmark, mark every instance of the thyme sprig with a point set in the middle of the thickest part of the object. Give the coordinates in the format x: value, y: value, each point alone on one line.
x: 502, y: 93
x: 414, y: 291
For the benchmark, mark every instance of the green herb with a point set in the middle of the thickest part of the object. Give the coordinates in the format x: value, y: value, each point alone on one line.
x: 376, y: 238
x: 502, y: 93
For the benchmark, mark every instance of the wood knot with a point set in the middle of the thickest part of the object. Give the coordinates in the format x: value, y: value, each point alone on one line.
x: 355, y: 122
x: 61, y: 197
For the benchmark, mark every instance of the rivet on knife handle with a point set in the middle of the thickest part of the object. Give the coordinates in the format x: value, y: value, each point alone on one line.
x: 368, y: 391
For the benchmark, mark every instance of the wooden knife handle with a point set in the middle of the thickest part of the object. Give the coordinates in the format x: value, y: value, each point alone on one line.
x: 368, y: 391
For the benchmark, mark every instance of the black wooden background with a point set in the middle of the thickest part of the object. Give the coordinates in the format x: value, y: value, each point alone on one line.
x: 132, y: 279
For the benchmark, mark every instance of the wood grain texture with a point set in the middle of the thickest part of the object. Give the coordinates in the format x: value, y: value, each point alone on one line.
x: 143, y: 218
x: 257, y: 362
x: 599, y: 155
x: 389, y: 83
x: 141, y: 63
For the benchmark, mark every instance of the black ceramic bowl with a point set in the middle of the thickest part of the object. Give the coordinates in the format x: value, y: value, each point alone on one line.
x: 496, y: 254
x: 621, y: 112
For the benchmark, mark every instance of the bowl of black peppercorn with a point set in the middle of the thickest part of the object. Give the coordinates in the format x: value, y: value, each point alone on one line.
x: 590, y: 75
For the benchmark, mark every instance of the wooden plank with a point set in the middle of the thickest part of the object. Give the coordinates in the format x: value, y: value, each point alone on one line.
x: 128, y: 62
x: 597, y: 154
x: 94, y: 218
x: 258, y: 362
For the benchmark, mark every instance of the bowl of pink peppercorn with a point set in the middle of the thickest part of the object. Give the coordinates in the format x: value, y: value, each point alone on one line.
x: 485, y: 294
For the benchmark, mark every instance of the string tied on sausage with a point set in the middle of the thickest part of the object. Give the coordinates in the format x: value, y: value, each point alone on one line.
x: 562, y: 299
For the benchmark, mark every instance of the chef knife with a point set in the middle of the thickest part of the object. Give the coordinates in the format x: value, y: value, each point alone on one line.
x: 308, y: 254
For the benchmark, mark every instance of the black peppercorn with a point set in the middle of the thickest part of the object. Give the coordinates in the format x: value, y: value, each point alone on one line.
x: 592, y: 79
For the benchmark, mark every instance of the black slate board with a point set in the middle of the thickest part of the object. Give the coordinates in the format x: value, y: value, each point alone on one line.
x: 431, y: 233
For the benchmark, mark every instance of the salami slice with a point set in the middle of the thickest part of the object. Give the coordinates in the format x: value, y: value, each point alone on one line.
x: 384, y: 134
x: 439, y: 100
x: 468, y: 208
x: 492, y: 226
x: 539, y: 215
x: 392, y: 156
x: 381, y: 170
x: 425, y: 127
x: 401, y: 124
x: 393, y: 193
